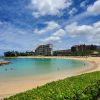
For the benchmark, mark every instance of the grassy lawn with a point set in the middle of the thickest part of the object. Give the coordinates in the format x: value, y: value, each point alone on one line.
x: 82, y: 87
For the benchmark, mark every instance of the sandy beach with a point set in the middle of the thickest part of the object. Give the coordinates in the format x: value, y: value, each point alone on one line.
x: 11, y: 87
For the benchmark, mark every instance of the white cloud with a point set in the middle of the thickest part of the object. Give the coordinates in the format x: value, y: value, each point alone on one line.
x: 52, y: 39
x: 76, y: 30
x: 97, y: 24
x: 91, y: 10
x: 49, y: 7
x: 51, y: 26
x: 54, y: 29
x: 13, y: 38
x: 59, y: 33
x: 94, y: 9
x: 72, y: 11
x: 56, y: 36
x: 91, y: 32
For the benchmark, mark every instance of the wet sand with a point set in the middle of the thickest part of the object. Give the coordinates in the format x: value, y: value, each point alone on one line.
x: 13, y: 86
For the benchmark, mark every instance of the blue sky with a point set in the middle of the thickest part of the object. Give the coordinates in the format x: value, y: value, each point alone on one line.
x: 24, y: 24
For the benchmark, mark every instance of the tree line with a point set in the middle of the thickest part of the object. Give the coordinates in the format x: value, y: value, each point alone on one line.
x: 16, y: 53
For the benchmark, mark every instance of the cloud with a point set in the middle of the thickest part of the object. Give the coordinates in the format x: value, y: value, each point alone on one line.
x: 91, y: 32
x: 71, y: 27
x: 72, y: 11
x: 94, y: 9
x: 51, y: 26
x: 56, y: 36
x: 59, y: 33
x: 49, y: 7
x: 76, y: 30
x: 51, y: 39
x: 13, y: 38
x: 97, y: 24
x: 91, y: 11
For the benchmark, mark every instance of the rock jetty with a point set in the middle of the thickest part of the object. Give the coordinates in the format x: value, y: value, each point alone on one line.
x: 4, y: 62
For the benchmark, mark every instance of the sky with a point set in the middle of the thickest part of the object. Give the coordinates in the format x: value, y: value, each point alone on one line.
x: 25, y: 24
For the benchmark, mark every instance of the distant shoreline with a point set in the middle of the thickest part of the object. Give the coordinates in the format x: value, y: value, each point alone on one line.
x: 15, y: 86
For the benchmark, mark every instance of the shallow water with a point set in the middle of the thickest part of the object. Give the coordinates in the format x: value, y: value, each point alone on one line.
x: 23, y: 67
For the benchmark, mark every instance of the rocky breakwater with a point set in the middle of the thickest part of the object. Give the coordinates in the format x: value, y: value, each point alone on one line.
x: 4, y: 62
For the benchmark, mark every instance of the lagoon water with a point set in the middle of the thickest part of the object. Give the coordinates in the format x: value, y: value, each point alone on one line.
x: 23, y: 67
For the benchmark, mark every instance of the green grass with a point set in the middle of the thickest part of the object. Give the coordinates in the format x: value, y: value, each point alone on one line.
x: 82, y: 87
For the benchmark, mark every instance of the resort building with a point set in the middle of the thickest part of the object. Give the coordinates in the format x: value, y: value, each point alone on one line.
x: 83, y: 47
x: 44, y: 50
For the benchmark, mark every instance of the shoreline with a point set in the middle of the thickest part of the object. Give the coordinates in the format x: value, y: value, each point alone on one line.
x: 9, y: 88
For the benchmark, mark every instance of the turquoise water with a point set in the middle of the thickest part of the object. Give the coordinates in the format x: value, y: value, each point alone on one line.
x: 20, y: 67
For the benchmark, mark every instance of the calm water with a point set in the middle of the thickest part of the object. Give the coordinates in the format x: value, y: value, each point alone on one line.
x: 20, y: 67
